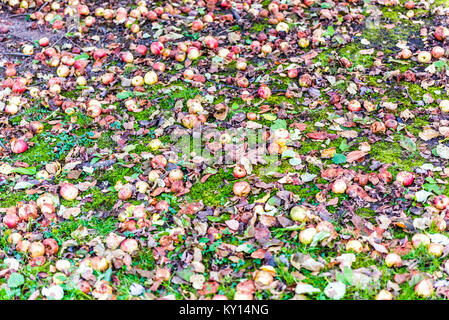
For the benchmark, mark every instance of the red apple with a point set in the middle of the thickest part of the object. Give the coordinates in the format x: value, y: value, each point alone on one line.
x: 354, y: 106
x: 239, y: 171
x: 197, y: 25
x: 83, y: 10
x: 437, y: 52
x: 50, y: 52
x: 405, y: 177
x: 107, y: 78
x: 339, y: 186
x: 99, y: 53
x: 211, y: 42
x: 80, y: 64
x: 18, y: 87
x: 441, y: 202
x: 264, y: 91
x: 43, y: 42
x: 441, y: 33
x: 159, y: 66
x: 68, y: 191
x: 162, y: 206
x: 156, y: 48
x: 125, y: 192
x: 251, y: 116
x: 292, y: 73
x: 141, y: 49
x: 193, y: 53
x: 127, y: 57
x: 18, y: 145
x: 11, y: 220
x: 409, y: 5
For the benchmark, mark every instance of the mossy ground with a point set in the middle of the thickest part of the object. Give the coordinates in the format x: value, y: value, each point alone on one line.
x: 217, y: 189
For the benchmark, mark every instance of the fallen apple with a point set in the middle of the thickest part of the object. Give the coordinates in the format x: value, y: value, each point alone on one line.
x: 241, y: 188
x: 441, y: 202
x: 405, y: 177
x: 339, y: 186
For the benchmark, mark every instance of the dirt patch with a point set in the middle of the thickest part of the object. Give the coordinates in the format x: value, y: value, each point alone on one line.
x: 16, y: 31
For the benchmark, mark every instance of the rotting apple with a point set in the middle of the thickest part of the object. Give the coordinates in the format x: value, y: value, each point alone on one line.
x: 424, y: 57
x: 68, y: 191
x: 239, y: 171
x: 306, y: 235
x: 393, y: 260
x: 354, y: 106
x: 354, y: 245
x: 420, y: 239
x: 93, y: 108
x: 264, y: 91
x: 158, y: 162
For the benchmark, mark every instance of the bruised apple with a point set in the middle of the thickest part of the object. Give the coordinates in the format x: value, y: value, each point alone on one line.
x: 441, y: 202
x: 239, y: 171
x: 241, y: 188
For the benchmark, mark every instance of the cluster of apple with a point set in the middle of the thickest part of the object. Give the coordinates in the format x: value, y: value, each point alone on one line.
x: 159, y: 180
x: 36, y: 250
x: 437, y: 52
x: 196, y: 114
x: 314, y: 225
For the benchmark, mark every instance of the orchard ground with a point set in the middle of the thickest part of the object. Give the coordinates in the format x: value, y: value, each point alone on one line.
x: 224, y: 149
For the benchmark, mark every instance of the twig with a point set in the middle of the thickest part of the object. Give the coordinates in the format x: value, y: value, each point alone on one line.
x: 50, y: 115
x: 408, y: 95
x: 224, y: 84
x: 15, y: 54
x: 62, y: 37
x: 17, y: 15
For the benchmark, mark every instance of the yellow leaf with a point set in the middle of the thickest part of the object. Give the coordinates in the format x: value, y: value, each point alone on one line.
x: 328, y: 153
